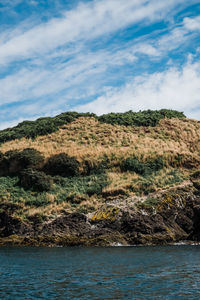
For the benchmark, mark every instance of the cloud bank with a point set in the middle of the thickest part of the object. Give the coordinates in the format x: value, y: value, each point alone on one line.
x: 172, y: 89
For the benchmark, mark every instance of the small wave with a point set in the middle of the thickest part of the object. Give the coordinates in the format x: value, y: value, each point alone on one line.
x: 117, y: 245
x: 186, y: 243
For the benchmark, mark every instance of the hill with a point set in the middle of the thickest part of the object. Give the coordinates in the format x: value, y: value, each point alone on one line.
x: 87, y: 168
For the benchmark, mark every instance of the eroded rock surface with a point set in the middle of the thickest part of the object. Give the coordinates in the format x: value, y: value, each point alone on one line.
x: 174, y: 217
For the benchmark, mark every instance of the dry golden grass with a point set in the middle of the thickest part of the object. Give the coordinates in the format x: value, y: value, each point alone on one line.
x: 119, y: 181
x: 52, y: 209
x: 86, y: 138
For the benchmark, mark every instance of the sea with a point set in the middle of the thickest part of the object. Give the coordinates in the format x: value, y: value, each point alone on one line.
x: 151, y: 272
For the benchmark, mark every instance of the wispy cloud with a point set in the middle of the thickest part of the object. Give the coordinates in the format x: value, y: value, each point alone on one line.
x: 87, y: 21
x: 173, y: 89
x: 100, y: 51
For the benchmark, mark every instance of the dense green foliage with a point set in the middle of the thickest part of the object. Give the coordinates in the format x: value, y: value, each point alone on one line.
x: 14, y: 161
x: 91, y: 168
x: 148, y: 184
x: 35, y: 180
x: 12, y: 193
x: 142, y: 168
x: 63, y: 165
x: 33, y: 186
x: 29, y: 157
x: 44, y: 126
x: 69, y: 189
x: 141, y: 118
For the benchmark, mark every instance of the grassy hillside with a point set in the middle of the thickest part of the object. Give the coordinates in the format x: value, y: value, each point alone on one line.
x: 77, y: 162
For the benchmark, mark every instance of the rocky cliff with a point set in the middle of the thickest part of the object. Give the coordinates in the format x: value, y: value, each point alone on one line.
x: 170, y: 217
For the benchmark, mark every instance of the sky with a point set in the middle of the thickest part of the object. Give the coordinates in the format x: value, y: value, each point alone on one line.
x: 99, y: 56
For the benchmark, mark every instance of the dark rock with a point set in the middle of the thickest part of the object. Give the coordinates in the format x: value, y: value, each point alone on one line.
x: 10, y: 225
x: 175, y: 218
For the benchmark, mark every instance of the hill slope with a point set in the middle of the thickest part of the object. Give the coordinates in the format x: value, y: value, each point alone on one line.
x: 97, y: 167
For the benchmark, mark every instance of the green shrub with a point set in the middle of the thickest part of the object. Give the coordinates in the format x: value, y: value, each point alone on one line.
x: 44, y: 126
x: 141, y: 118
x: 67, y: 188
x: 87, y: 185
x: 35, y: 180
x: 142, y: 168
x: 11, y: 192
x: 59, y: 180
x: 38, y: 200
x: 91, y: 168
x: 15, y: 161
x: 173, y: 177
x: 156, y: 164
x: 29, y: 157
x: 96, y: 186
x: 63, y: 165
x: 133, y: 165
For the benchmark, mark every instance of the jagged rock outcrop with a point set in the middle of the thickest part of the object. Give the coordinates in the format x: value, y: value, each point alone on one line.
x: 174, y: 217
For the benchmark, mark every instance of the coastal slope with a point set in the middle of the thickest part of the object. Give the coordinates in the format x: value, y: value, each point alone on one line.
x: 81, y: 179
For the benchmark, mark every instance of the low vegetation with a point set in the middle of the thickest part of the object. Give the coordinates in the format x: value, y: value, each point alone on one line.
x: 141, y: 118
x: 142, y: 168
x: 77, y: 162
x: 44, y: 126
x: 62, y: 164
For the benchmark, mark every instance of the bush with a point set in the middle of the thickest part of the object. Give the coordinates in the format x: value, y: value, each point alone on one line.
x: 133, y: 165
x: 156, y: 164
x: 15, y: 161
x: 11, y: 192
x: 142, y: 168
x: 4, y: 166
x: 141, y: 118
x: 38, y: 201
x: 42, y: 126
x: 29, y: 157
x: 68, y: 188
x: 91, y: 168
x: 97, y: 184
x: 35, y: 180
x: 63, y: 165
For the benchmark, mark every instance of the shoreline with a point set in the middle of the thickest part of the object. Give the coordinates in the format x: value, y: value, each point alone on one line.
x: 173, y: 220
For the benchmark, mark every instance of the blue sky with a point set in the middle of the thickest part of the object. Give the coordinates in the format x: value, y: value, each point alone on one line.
x: 98, y: 56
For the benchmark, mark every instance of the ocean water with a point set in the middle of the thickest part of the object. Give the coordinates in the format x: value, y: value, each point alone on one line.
x: 166, y: 272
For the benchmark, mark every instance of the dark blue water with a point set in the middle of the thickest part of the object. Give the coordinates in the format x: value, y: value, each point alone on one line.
x: 171, y: 272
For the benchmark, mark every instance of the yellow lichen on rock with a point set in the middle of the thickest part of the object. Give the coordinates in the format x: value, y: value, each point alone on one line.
x: 106, y: 214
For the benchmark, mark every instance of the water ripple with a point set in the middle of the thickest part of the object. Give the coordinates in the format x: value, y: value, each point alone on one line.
x: 168, y: 272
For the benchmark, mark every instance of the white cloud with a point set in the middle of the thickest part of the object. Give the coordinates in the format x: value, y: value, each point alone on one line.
x: 179, y: 34
x: 192, y: 23
x: 172, y: 89
x: 62, y: 66
x: 87, y: 21
x: 81, y: 70
x: 147, y: 49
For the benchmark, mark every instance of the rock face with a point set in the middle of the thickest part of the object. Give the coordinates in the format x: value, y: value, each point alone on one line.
x: 174, y: 217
